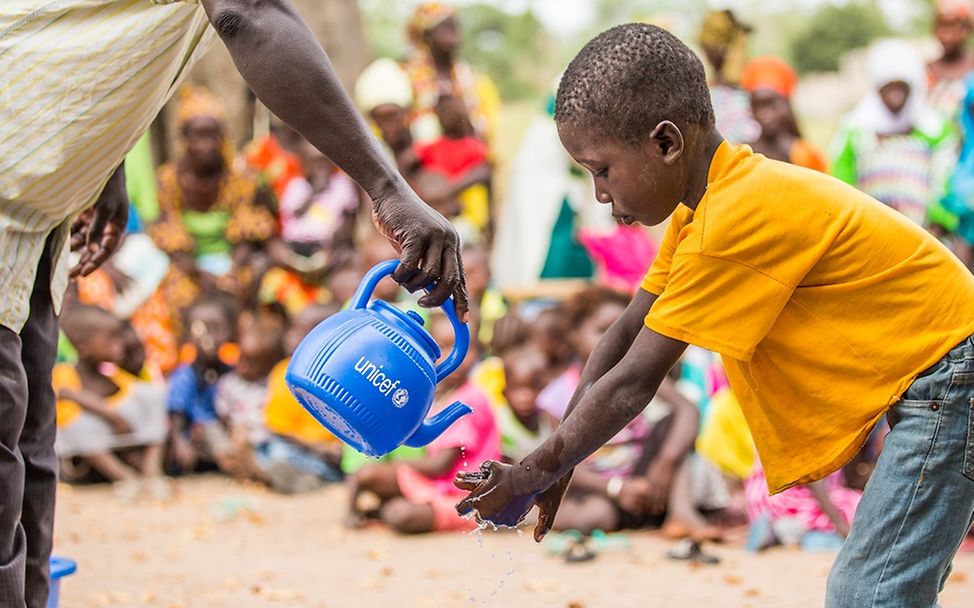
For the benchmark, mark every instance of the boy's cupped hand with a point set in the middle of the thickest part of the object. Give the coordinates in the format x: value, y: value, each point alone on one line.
x: 496, y: 498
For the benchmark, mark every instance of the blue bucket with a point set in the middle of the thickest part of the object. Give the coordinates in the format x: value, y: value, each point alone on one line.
x: 60, y: 567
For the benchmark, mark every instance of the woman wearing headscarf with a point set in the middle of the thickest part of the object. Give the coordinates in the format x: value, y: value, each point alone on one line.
x: 892, y: 145
x: 436, y: 70
x: 953, y: 25
x: 211, y: 223
x: 724, y: 41
x: 770, y: 83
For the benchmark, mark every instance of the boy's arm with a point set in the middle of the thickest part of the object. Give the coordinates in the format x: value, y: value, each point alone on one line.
x: 614, y: 345
x: 95, y: 405
x: 508, y: 493
x: 278, y: 56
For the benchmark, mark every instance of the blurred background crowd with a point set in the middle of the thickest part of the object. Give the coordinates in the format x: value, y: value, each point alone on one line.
x: 243, y: 237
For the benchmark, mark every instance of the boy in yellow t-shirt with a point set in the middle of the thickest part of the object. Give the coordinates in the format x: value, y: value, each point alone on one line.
x: 829, y: 309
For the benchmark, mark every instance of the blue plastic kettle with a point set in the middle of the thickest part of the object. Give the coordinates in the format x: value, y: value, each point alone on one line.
x: 368, y: 373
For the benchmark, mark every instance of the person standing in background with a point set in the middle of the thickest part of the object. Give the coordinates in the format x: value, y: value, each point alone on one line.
x: 724, y: 40
x: 771, y: 82
x: 436, y: 69
x: 893, y: 146
x: 953, y: 22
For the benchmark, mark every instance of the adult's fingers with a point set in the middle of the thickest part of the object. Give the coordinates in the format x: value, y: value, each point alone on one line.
x: 412, y: 253
x: 429, y: 269
x: 445, y: 283
x: 460, y: 292
x: 102, y: 250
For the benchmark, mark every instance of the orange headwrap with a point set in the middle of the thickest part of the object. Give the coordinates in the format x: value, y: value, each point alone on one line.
x: 427, y: 17
x: 955, y: 9
x: 769, y: 73
x: 196, y: 101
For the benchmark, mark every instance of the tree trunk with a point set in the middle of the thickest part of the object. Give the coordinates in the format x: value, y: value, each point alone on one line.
x: 337, y: 24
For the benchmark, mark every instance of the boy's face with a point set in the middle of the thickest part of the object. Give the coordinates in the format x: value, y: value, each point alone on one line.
x: 393, y: 123
x: 952, y: 33
x: 452, y: 114
x: 525, y: 376
x: 644, y: 183
x: 587, y: 335
x: 105, y: 343
x: 444, y: 39
x: 895, y: 95
x: 209, y: 329
x: 476, y: 267
x: 204, y: 143
x: 770, y: 110
x: 256, y: 357
x: 133, y: 357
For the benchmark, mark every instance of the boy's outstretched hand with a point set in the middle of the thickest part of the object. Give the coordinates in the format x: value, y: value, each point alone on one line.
x: 497, y: 497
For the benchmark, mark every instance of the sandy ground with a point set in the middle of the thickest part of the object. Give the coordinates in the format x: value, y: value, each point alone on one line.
x: 222, y: 544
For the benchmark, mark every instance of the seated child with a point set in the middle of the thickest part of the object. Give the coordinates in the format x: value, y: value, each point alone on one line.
x: 461, y: 157
x: 103, y: 409
x: 547, y: 331
x: 418, y: 496
x: 317, y: 213
x: 195, y: 433
x: 826, y: 505
x: 299, y: 454
x: 487, y: 304
x: 821, y: 506
x: 241, y: 396
x: 627, y: 483
x: 523, y: 425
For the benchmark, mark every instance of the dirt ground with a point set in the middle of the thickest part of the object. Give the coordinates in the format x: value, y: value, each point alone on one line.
x: 222, y: 544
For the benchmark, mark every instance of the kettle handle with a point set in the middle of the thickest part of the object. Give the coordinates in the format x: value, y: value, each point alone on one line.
x: 364, y: 292
x: 383, y: 269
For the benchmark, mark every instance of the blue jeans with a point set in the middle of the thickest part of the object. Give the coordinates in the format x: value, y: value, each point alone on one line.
x: 919, y: 502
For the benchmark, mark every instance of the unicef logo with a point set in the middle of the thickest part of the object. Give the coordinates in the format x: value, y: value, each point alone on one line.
x: 400, y: 398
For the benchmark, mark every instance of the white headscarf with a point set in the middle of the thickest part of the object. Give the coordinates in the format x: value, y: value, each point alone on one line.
x: 892, y: 61
x: 383, y: 82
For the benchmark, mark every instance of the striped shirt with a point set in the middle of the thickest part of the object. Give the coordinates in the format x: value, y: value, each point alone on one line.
x: 80, y: 81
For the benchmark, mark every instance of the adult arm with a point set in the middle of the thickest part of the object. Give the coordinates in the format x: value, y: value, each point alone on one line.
x: 289, y: 72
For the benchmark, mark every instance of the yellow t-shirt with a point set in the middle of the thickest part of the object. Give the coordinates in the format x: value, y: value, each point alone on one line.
x: 285, y: 416
x: 825, y: 304
x: 65, y: 376
x: 724, y: 437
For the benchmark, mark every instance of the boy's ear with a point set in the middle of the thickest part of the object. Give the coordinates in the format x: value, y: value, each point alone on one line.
x: 667, y: 139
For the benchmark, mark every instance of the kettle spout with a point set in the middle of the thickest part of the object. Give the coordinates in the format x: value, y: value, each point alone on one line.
x: 434, y: 426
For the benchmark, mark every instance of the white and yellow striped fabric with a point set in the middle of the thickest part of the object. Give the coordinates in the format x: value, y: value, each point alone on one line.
x: 80, y: 81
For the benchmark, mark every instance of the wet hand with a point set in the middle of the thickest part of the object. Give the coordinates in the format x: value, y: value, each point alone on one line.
x: 98, y: 231
x: 429, y: 246
x: 494, y: 497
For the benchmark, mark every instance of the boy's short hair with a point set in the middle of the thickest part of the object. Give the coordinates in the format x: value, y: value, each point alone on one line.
x: 629, y: 78
x: 80, y: 321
